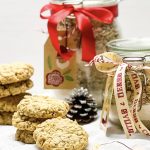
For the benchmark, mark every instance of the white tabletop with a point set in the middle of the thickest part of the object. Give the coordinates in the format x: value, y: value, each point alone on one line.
x: 96, y: 138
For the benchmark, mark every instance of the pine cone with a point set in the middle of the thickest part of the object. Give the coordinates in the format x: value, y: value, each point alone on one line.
x: 82, y: 106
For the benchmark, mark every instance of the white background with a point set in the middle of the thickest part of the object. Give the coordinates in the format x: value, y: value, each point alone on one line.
x: 21, y: 39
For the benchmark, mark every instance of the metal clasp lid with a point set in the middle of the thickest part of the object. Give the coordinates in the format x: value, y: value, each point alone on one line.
x: 74, y: 2
x: 87, y: 3
x: 147, y: 58
x: 135, y: 61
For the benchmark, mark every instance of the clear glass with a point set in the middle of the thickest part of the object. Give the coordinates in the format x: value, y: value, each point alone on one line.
x: 133, y: 47
x: 137, y: 53
x: 89, y: 77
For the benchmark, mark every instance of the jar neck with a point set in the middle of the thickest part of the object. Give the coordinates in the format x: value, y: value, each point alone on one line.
x: 87, y: 3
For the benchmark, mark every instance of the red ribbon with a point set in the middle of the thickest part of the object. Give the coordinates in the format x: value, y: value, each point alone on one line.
x: 83, y: 16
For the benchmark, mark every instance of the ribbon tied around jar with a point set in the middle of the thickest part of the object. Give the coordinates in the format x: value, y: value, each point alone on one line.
x: 113, y: 65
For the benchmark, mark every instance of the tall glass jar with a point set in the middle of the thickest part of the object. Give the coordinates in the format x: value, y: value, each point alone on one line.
x: 89, y: 77
x: 135, y: 52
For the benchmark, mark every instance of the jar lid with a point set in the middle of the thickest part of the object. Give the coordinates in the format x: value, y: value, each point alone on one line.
x: 135, y: 47
x: 87, y: 3
x: 147, y: 58
x: 133, y: 59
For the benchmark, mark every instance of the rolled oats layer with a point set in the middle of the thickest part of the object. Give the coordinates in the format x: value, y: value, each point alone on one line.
x: 60, y: 134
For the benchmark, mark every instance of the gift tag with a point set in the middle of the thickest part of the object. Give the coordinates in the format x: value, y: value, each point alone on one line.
x: 58, y: 74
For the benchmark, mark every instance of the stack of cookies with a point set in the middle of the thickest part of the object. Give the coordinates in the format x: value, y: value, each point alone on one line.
x: 32, y: 111
x: 14, y: 82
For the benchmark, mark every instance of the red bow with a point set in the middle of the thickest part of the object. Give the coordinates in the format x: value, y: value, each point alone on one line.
x: 83, y: 16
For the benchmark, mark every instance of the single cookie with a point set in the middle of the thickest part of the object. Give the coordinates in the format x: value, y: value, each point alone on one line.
x: 5, y: 118
x: 9, y: 104
x: 60, y: 134
x: 25, y: 136
x: 42, y: 107
x: 12, y: 73
x: 25, y: 123
x: 15, y: 88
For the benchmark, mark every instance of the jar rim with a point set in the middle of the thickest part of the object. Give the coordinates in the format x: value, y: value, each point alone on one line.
x: 87, y: 3
x: 130, y: 45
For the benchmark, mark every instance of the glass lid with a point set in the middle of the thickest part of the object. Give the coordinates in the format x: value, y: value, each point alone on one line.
x: 87, y: 3
x: 135, y: 47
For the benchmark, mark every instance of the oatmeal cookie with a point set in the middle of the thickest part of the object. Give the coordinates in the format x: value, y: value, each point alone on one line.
x: 25, y: 123
x: 42, y: 107
x: 9, y: 104
x: 60, y: 134
x: 6, y: 118
x: 15, y: 88
x: 12, y: 73
x: 25, y: 136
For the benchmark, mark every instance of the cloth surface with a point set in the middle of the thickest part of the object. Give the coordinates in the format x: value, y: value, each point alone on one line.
x: 96, y: 138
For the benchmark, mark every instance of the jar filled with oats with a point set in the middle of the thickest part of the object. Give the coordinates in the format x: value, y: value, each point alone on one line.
x: 103, y: 34
x: 89, y: 77
x: 135, y: 52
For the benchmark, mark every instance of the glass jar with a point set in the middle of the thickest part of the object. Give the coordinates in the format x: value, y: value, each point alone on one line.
x: 89, y: 77
x: 135, y: 52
